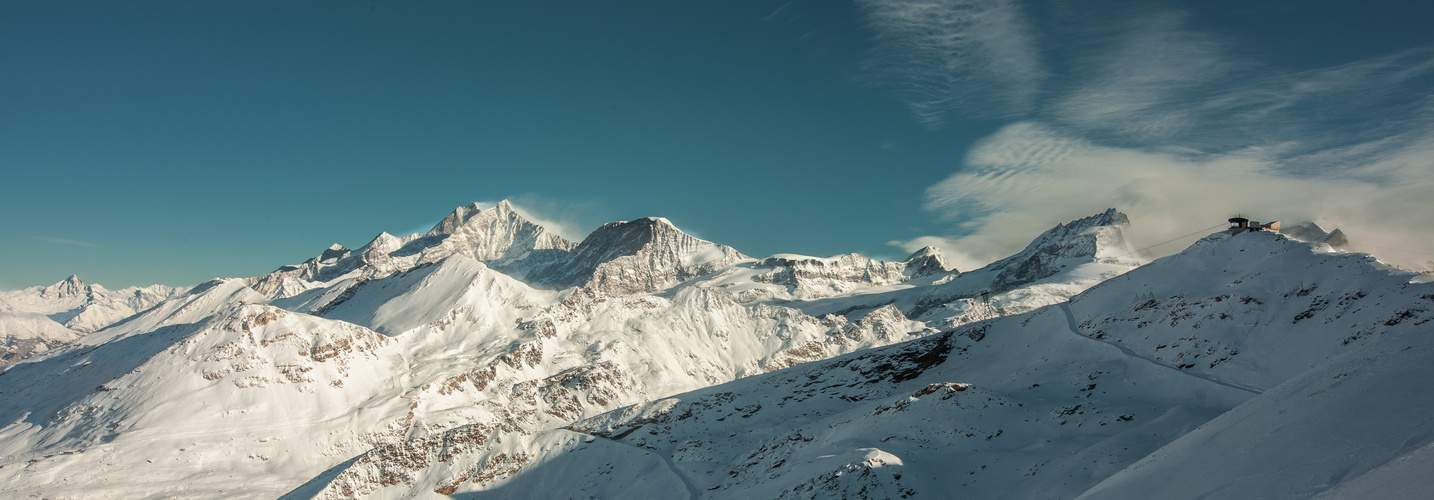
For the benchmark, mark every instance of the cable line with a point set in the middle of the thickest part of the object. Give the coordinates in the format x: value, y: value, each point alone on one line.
x: 1216, y: 226
x: 1397, y: 250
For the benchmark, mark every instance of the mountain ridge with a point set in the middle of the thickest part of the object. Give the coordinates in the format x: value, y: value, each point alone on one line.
x: 446, y: 364
x: 862, y: 424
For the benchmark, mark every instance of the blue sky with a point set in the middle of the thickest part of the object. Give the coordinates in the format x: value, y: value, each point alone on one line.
x: 170, y: 142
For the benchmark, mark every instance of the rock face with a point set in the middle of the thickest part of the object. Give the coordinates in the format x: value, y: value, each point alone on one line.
x: 816, y: 277
x: 1336, y: 239
x: 1310, y: 232
x: 644, y: 255
x: 806, y: 278
x: 927, y: 261
x: 1305, y: 231
x: 498, y: 237
x: 1081, y: 240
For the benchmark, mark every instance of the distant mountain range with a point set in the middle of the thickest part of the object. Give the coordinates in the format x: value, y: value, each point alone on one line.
x: 40, y: 318
x: 491, y: 356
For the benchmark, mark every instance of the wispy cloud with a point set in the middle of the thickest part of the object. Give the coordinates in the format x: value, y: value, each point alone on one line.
x: 1161, y: 84
x: 1149, y: 83
x: 1028, y: 177
x: 967, y: 57
x: 1173, y: 126
x: 64, y: 241
x: 775, y: 13
x: 565, y: 218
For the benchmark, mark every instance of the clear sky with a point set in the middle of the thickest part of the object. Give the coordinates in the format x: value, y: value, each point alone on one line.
x: 170, y: 142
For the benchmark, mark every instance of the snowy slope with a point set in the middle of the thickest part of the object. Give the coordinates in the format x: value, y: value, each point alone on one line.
x: 1249, y: 365
x: 251, y: 399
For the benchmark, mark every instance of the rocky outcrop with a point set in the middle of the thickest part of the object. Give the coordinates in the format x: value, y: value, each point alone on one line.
x: 1081, y: 240
x: 498, y: 237
x: 928, y: 261
x: 815, y: 277
x: 638, y: 256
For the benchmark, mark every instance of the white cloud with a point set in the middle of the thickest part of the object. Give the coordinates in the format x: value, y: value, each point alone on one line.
x: 972, y: 57
x: 64, y: 241
x: 1028, y: 177
x: 1167, y: 124
x: 955, y: 258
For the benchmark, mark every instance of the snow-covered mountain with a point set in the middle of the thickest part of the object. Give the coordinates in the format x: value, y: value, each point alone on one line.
x: 453, y: 361
x: 498, y: 237
x: 40, y: 318
x: 1249, y: 365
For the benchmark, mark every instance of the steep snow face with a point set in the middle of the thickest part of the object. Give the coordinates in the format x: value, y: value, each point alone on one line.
x: 1082, y: 240
x: 71, y: 288
x: 40, y: 318
x: 644, y: 255
x: 1058, y: 264
x: 926, y: 262
x: 1219, y: 371
x: 498, y: 237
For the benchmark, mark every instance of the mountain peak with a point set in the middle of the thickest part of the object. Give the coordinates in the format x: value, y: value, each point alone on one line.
x: 456, y: 219
x: 652, y: 250
x: 1335, y: 239
x: 72, y: 286
x: 927, y: 261
x: 499, y: 237
x: 1307, y: 232
x: 1084, y: 239
x: 463, y: 214
x: 924, y: 252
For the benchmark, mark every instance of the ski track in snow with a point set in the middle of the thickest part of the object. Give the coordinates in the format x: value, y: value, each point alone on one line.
x: 692, y: 492
x: 1071, y: 323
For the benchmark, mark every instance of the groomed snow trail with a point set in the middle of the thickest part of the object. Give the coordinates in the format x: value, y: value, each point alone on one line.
x: 1071, y: 323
